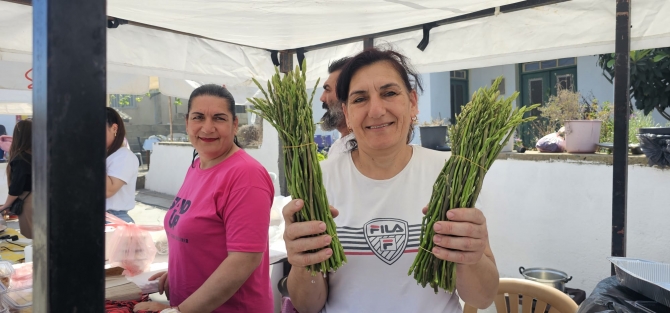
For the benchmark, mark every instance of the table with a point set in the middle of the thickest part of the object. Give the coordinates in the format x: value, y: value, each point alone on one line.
x: 120, y: 288
x: 611, y: 297
x: 13, y: 251
x: 117, y: 286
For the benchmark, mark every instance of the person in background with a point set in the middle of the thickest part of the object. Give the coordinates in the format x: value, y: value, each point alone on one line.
x: 384, y: 182
x: 19, y: 175
x: 5, y: 142
x: 217, y: 227
x: 122, y: 169
x: 334, y: 119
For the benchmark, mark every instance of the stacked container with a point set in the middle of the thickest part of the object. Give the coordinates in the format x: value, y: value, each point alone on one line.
x: 16, y: 287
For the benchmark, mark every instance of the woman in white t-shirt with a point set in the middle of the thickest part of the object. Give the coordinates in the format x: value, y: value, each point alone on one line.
x: 379, y: 189
x: 122, y: 168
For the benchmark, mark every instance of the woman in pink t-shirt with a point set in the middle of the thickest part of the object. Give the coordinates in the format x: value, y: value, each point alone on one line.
x: 217, y: 226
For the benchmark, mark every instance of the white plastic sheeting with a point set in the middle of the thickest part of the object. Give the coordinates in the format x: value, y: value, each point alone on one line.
x: 568, y: 29
x: 290, y: 24
x: 23, y: 96
x: 16, y: 108
x: 135, y: 54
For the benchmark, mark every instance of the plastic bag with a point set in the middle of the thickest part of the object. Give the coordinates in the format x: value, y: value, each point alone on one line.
x: 656, y: 148
x: 611, y: 297
x: 23, y: 276
x: 131, y: 246
x: 277, y: 224
x: 551, y: 143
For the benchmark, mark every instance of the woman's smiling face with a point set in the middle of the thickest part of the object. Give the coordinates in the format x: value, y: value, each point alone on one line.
x: 380, y: 108
x: 210, y: 126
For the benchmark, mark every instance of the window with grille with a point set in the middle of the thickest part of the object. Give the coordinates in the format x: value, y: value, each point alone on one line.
x: 463, y: 74
x: 536, y: 87
x: 565, y: 82
x: 549, y: 64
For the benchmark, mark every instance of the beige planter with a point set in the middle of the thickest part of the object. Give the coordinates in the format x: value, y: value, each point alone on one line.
x: 582, y: 136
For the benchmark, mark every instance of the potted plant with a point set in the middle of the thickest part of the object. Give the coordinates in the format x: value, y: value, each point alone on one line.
x: 580, y: 116
x: 434, y: 134
x: 638, y: 125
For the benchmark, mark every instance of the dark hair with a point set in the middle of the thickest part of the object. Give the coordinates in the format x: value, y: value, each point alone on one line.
x: 3, y: 130
x: 22, y: 143
x: 338, y: 64
x: 113, y: 117
x: 398, y: 62
x: 215, y: 91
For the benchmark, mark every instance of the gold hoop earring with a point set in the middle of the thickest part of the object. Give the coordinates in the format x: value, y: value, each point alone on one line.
x: 351, y: 130
x: 414, y: 118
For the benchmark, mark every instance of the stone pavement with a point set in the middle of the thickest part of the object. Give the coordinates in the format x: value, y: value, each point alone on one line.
x: 150, y: 207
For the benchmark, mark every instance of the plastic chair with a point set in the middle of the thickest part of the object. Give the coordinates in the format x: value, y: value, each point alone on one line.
x: 139, y: 154
x: 509, y: 290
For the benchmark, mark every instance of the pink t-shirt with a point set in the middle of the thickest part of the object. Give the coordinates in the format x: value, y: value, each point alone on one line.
x: 217, y: 210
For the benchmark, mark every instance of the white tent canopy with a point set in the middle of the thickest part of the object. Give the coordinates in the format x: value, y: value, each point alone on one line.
x: 16, y: 108
x: 569, y: 29
x: 281, y: 25
x: 136, y: 53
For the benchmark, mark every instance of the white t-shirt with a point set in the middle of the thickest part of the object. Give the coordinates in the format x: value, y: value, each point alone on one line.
x: 379, y: 227
x: 123, y: 164
x: 340, y: 145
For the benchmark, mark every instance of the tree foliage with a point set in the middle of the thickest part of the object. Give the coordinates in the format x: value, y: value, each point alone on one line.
x: 649, y: 77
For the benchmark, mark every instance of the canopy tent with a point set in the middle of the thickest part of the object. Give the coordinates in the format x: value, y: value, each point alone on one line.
x: 136, y: 53
x: 16, y: 108
x: 25, y: 96
x: 282, y: 25
x: 228, y: 43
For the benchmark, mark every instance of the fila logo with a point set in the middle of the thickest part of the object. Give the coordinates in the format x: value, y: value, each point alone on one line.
x: 387, y: 238
x: 389, y: 244
x: 384, y: 229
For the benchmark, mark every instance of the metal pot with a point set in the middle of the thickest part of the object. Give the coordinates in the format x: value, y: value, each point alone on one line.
x: 546, y: 276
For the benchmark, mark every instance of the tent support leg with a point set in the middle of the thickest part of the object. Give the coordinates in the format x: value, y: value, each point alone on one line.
x: 621, y: 114
x: 69, y: 99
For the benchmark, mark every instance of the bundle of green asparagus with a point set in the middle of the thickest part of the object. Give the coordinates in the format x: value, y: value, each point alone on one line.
x: 483, y: 128
x: 288, y: 109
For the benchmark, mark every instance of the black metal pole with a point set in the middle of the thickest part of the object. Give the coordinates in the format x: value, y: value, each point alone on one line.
x: 368, y: 43
x: 69, y: 60
x: 621, y: 115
